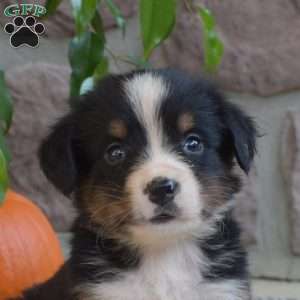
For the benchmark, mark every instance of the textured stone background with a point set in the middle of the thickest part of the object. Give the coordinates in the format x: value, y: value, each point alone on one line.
x: 39, y: 93
x: 291, y: 171
x: 262, y: 44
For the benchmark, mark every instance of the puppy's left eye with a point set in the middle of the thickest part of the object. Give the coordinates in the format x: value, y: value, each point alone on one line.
x: 193, y: 144
x: 115, y: 154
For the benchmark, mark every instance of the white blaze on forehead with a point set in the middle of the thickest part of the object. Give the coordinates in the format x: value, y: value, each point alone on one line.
x: 146, y: 92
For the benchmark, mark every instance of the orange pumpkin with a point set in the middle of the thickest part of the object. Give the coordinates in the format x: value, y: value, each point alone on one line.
x: 30, y: 252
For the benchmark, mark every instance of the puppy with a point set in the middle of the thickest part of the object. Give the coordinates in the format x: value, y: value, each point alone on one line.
x: 148, y: 157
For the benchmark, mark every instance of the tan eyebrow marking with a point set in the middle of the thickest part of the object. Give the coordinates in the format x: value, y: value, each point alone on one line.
x: 185, y: 122
x: 118, y: 129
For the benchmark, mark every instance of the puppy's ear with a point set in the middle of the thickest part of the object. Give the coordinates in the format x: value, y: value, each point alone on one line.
x: 57, y: 157
x: 242, y: 131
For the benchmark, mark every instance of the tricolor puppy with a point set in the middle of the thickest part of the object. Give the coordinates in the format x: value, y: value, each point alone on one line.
x: 148, y: 157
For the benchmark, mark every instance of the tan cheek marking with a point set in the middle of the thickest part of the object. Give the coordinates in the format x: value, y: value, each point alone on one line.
x: 117, y: 128
x: 185, y: 122
x: 105, y: 209
x: 217, y: 192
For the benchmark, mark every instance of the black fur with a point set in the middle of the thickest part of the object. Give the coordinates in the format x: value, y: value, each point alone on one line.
x: 224, y: 247
x: 73, y: 153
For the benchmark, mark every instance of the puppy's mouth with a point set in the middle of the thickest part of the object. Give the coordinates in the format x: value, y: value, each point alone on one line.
x: 164, y: 215
x: 162, y: 218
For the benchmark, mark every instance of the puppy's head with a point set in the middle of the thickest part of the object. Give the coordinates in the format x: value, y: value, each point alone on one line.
x: 149, y: 155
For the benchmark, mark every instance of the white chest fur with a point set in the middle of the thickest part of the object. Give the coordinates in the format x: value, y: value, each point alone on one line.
x: 172, y: 275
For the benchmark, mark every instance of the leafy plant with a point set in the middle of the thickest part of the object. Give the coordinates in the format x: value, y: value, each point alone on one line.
x: 6, y: 111
x: 157, y: 19
x: 88, y: 51
x: 213, y: 46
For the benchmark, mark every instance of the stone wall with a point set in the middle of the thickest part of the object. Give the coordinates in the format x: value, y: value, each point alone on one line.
x: 261, y: 38
x: 291, y: 170
x: 38, y: 102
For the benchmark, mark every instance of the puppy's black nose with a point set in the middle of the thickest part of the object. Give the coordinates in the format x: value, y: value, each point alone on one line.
x: 161, y: 190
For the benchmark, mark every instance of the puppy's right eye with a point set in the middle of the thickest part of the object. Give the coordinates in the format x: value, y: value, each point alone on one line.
x: 115, y: 154
x: 193, y: 144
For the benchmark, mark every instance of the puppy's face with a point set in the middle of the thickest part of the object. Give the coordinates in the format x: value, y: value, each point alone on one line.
x: 149, y: 155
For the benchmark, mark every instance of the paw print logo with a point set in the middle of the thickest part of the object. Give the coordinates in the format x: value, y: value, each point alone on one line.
x: 24, y: 31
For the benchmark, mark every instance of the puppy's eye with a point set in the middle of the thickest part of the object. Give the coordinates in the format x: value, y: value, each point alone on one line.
x: 193, y: 144
x: 115, y: 154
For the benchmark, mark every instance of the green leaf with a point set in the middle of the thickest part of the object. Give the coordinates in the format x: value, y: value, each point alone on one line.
x: 157, y: 19
x: 6, y: 109
x: 212, y: 44
x: 85, y: 53
x: 97, y: 23
x: 51, y: 6
x: 3, y: 177
x: 2, y: 196
x: 117, y: 14
x: 4, y: 148
x: 83, y: 12
x: 207, y: 18
x: 101, y: 69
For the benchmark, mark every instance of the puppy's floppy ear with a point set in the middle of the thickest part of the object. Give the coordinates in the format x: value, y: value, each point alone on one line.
x: 242, y: 131
x: 57, y: 157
